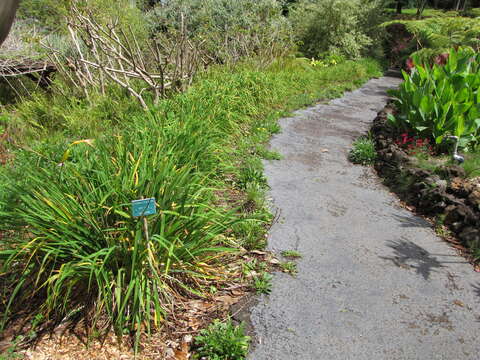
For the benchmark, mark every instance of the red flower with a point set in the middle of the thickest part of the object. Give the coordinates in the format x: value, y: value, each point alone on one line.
x: 441, y: 59
x: 409, y: 64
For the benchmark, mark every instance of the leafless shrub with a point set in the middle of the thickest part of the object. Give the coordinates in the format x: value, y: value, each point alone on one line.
x: 105, y: 53
x: 20, y: 59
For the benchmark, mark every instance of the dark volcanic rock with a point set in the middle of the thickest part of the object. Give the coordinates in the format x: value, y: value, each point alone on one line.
x: 471, y: 237
x: 445, y: 192
x: 451, y: 171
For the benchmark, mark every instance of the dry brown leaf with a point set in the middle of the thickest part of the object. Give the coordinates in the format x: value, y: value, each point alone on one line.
x: 237, y: 292
x: 227, y: 300
x: 194, y: 324
x: 183, y: 353
x: 459, y: 303
x: 258, y: 252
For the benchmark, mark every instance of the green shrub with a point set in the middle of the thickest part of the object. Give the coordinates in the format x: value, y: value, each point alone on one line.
x: 363, y: 151
x: 474, y: 12
x: 222, y: 341
x: 343, y: 27
x: 228, y: 30
x: 441, y: 100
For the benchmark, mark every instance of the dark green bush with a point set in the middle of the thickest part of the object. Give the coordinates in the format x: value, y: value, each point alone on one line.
x: 343, y: 27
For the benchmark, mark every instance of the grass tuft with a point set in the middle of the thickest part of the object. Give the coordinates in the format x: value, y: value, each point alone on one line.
x: 222, y: 341
x: 363, y: 151
x: 263, y: 283
x: 293, y: 254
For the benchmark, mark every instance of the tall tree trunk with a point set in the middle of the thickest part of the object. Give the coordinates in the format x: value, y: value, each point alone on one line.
x: 8, y: 9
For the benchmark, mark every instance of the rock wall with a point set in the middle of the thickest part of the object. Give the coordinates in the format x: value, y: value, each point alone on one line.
x: 443, y: 193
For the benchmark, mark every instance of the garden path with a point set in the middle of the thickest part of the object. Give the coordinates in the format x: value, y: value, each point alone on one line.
x: 375, y: 282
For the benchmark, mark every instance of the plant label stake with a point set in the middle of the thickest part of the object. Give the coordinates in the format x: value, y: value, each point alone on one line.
x: 142, y: 208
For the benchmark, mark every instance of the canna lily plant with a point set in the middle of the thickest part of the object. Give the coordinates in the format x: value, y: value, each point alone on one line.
x: 440, y: 100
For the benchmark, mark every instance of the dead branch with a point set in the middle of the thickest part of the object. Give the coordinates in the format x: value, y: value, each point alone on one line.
x: 110, y: 52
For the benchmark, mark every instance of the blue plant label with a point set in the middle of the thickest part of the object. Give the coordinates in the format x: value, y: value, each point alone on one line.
x: 144, y: 207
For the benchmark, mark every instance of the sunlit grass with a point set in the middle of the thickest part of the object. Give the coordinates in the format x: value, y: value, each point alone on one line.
x: 71, y: 239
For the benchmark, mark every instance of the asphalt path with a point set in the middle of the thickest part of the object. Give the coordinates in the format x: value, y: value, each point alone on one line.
x: 374, y: 282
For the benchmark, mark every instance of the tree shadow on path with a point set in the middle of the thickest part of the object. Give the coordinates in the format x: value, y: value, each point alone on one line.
x: 408, y: 255
x: 412, y: 221
x: 476, y: 289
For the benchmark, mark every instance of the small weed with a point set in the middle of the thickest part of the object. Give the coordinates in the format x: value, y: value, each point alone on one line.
x: 274, y: 128
x: 263, y: 283
x: 363, y: 151
x: 289, y: 267
x: 255, y: 195
x: 222, y: 341
x: 251, y: 174
x: 442, y: 231
x: 440, y: 228
x: 266, y: 154
x: 293, y: 254
x: 254, y: 265
x: 440, y: 219
x: 251, y: 234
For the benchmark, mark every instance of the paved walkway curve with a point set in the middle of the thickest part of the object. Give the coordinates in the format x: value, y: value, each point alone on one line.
x: 374, y: 281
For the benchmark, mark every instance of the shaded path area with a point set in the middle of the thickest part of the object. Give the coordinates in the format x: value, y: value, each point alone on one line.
x: 374, y: 282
